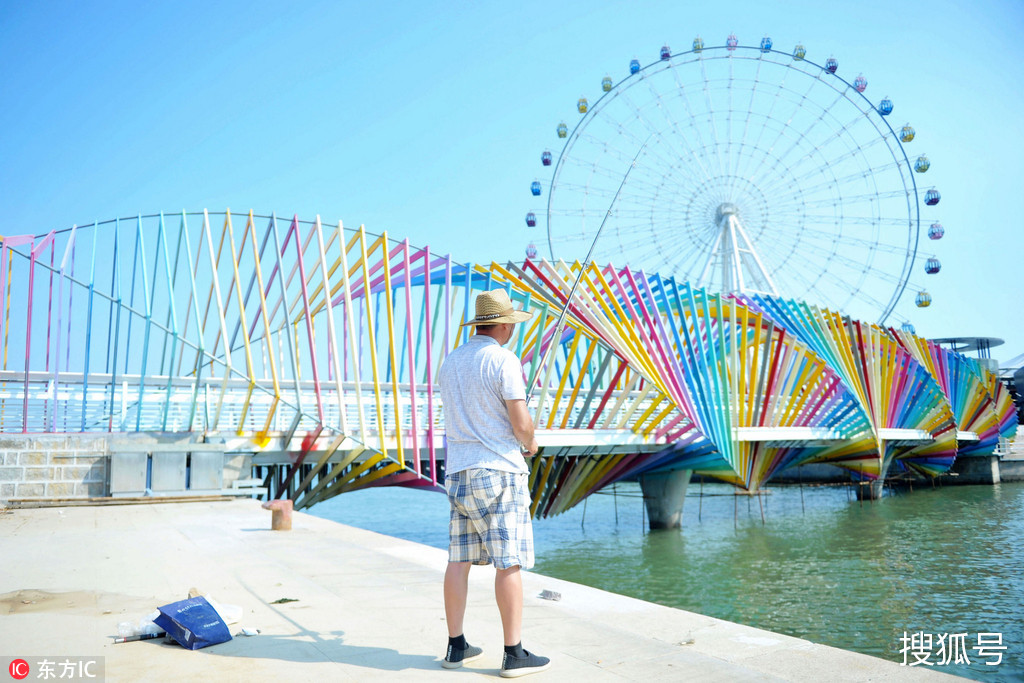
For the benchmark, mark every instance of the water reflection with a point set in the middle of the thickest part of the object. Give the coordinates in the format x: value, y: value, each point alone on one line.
x: 843, y: 573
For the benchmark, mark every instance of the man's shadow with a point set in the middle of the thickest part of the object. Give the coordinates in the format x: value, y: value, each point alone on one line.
x: 306, y: 646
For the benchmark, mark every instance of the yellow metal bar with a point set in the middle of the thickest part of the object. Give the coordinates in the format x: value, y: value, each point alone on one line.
x: 564, y: 379
x: 601, y: 467
x: 351, y: 324
x: 320, y: 464
x: 627, y: 386
x: 215, y: 289
x: 671, y: 408
x: 353, y: 473
x: 245, y: 327
x: 370, y: 332
x: 810, y: 377
x: 251, y: 229
x: 579, y: 380
x: 315, y: 494
x: 638, y: 425
x: 366, y: 480
x: 332, y: 336
x: 550, y: 461
x: 634, y: 405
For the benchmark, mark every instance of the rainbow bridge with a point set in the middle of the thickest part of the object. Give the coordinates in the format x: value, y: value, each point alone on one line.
x: 314, y: 348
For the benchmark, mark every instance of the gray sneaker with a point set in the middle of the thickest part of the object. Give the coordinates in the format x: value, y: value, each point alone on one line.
x: 455, y: 657
x: 514, y: 667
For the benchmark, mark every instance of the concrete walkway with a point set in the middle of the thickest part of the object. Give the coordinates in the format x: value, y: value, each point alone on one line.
x: 366, y: 606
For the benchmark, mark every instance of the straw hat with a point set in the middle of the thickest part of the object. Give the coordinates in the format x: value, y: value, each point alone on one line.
x: 495, y: 307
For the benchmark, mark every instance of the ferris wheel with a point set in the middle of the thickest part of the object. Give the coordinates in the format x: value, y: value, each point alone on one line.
x: 744, y: 168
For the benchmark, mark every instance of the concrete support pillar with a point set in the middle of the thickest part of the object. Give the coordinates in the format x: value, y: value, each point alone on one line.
x: 975, y: 469
x: 664, y: 494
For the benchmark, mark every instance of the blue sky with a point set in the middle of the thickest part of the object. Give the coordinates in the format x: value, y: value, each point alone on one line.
x: 427, y: 119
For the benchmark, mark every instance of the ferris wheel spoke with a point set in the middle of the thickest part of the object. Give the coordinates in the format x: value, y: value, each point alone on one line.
x: 784, y: 120
x: 815, y: 155
x: 849, y: 238
x: 834, y: 255
x: 689, y: 137
x: 854, y: 199
x: 768, y: 116
x: 639, y: 184
x: 656, y: 134
x: 819, y: 136
x: 812, y: 287
x: 855, y: 220
x: 650, y: 250
x: 859, y: 174
x: 660, y: 153
x: 711, y: 118
x: 824, y: 286
x: 749, y: 114
x: 681, y: 94
x: 848, y: 155
x: 808, y: 135
x: 728, y: 120
x: 750, y: 106
x: 828, y: 281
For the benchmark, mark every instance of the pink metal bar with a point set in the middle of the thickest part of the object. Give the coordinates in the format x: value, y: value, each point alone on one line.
x: 665, y: 429
x: 34, y: 254
x: 309, y: 320
x: 5, y: 246
x: 669, y: 366
x: 60, y: 299
x: 448, y: 298
x: 412, y: 355
x: 427, y: 325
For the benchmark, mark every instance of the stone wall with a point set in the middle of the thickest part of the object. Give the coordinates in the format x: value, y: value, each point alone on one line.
x: 53, y: 466
x: 1011, y: 467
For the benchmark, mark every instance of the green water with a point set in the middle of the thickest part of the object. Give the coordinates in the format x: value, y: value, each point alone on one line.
x: 821, y: 566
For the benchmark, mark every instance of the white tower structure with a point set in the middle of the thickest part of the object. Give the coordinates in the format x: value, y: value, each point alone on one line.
x: 733, y: 252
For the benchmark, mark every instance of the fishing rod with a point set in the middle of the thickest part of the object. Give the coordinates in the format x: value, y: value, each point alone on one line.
x: 560, y: 324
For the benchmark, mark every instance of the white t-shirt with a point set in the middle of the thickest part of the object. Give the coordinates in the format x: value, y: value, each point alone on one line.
x: 476, y: 379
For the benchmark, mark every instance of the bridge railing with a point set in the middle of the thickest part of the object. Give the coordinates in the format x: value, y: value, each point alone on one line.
x: 101, y: 402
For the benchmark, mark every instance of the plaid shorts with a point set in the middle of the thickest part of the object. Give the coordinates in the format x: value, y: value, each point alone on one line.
x: 490, y: 518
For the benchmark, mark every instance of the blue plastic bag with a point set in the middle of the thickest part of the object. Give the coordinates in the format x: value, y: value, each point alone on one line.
x: 194, y: 623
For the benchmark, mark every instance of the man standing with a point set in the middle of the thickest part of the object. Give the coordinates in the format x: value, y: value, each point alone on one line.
x: 488, y: 429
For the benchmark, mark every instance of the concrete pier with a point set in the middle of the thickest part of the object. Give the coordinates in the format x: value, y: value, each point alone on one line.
x: 664, y: 495
x: 974, y: 469
x: 362, y: 606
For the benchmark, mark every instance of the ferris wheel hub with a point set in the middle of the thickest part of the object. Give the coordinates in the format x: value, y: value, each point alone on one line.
x: 726, y: 209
